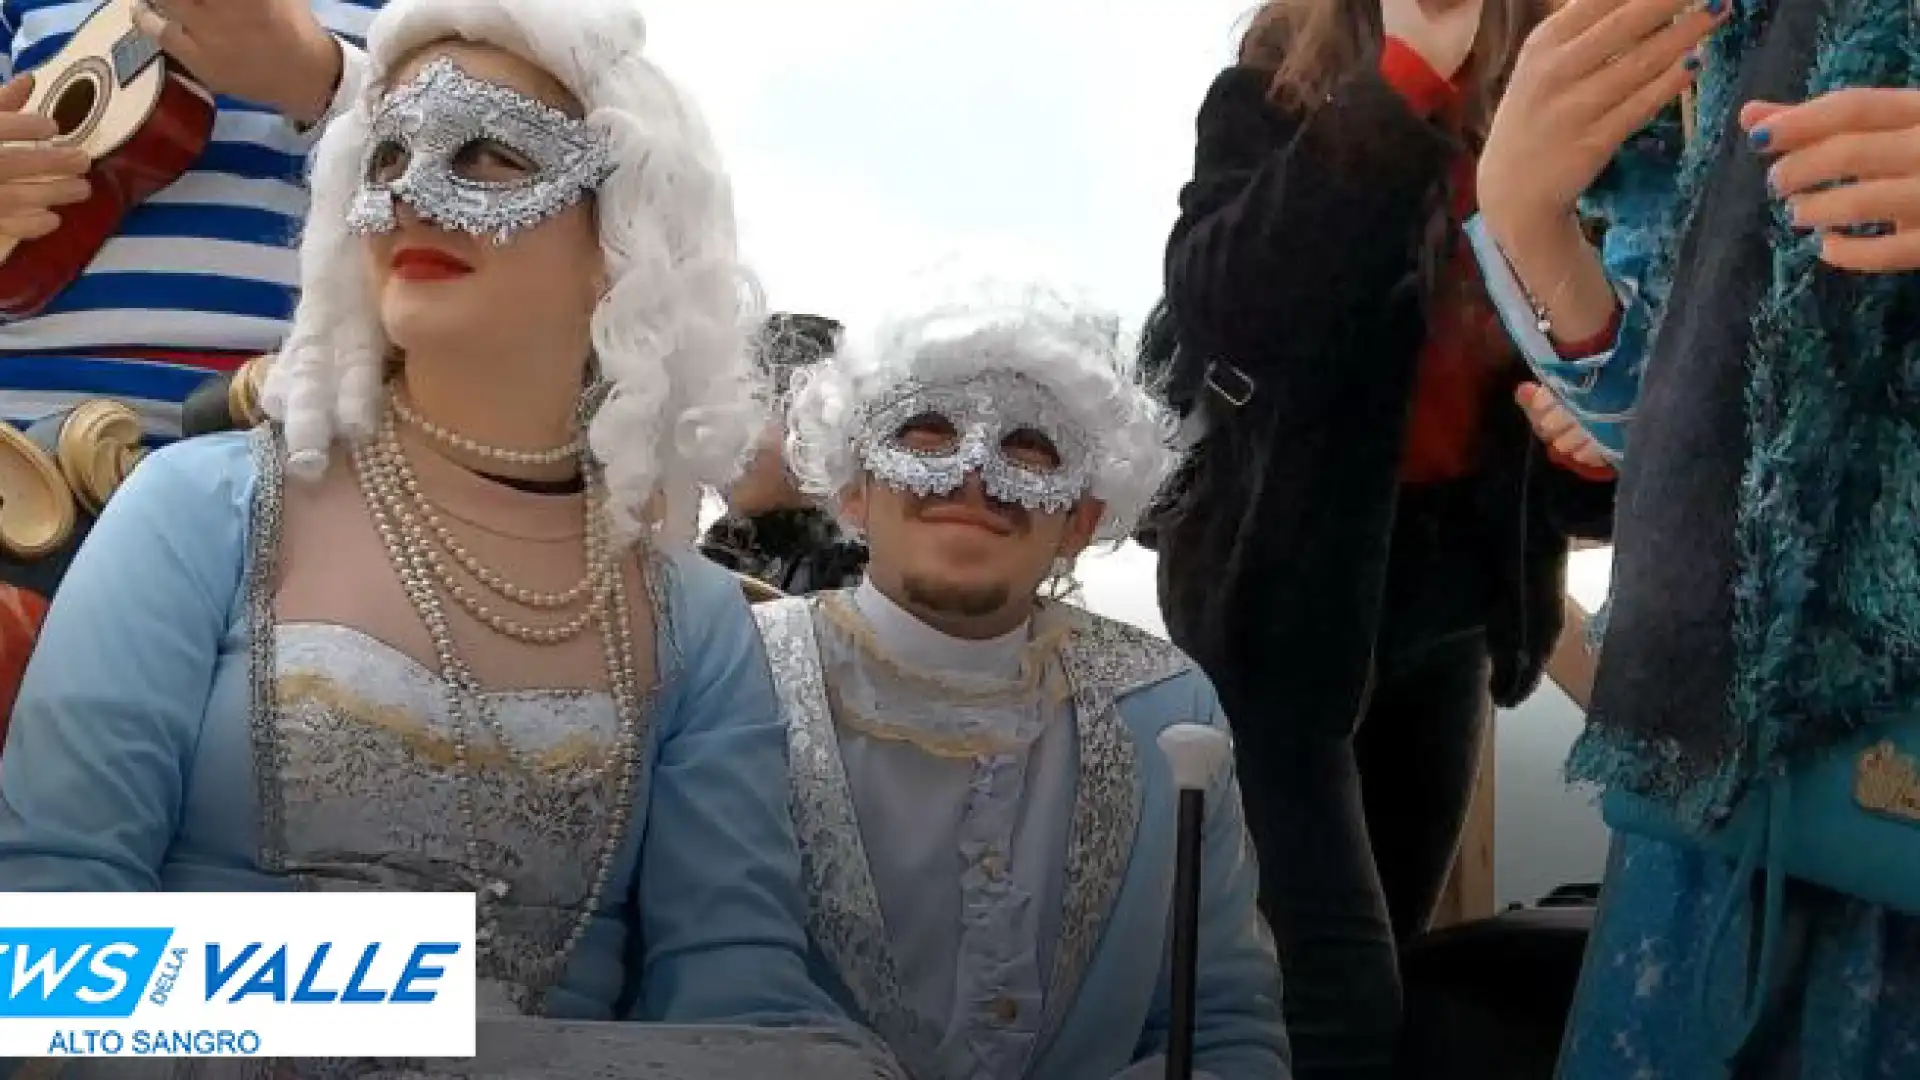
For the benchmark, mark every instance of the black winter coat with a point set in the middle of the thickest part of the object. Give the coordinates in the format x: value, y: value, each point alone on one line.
x: 1303, y: 254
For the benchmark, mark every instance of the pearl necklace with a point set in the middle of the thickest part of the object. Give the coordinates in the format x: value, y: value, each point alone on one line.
x: 457, y: 441
x: 421, y: 525
x: 467, y: 701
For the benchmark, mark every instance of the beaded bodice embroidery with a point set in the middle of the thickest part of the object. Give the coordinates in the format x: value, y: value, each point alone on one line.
x: 368, y: 789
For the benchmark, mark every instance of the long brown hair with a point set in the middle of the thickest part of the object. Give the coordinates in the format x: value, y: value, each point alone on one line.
x: 1310, y: 45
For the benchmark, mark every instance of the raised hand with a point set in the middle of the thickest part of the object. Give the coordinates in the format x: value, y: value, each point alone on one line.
x: 1554, y: 425
x: 36, y: 177
x: 1589, y: 76
x: 1441, y: 31
x: 270, y: 52
x: 1848, y: 164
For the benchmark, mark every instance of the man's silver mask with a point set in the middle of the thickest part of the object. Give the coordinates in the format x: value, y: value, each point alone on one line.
x: 431, y: 144
x: 925, y: 438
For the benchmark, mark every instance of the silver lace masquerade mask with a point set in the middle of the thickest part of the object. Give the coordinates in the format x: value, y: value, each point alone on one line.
x: 924, y: 438
x: 437, y: 138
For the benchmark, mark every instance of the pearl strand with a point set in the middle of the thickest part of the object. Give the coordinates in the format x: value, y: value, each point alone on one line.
x: 597, y: 550
x: 456, y: 441
x: 415, y: 536
x: 396, y: 484
x: 597, y: 554
x: 419, y: 566
x: 463, y: 688
x: 388, y: 482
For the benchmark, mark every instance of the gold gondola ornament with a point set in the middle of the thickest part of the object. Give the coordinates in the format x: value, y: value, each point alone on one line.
x: 37, y: 509
x: 243, y: 392
x: 97, y: 445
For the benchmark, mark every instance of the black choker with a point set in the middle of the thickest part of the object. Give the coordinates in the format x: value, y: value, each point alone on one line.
x: 572, y: 485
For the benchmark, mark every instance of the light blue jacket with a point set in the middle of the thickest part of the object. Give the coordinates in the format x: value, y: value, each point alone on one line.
x: 1108, y: 991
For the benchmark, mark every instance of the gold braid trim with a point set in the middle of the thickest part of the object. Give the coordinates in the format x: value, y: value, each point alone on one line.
x: 1039, y: 683
x: 957, y: 747
x: 1036, y: 661
x: 422, y: 743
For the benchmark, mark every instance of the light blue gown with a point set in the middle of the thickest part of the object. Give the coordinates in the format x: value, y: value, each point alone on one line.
x: 151, y: 750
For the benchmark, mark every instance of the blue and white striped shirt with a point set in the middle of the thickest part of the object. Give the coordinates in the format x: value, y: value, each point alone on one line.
x: 206, y: 266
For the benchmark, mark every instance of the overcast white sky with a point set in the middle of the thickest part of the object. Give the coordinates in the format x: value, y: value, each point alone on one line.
x: 869, y: 139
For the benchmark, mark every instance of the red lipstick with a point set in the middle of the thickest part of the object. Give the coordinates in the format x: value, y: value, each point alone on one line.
x: 427, y: 264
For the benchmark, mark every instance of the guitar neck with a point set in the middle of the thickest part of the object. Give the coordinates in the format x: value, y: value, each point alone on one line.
x: 131, y: 55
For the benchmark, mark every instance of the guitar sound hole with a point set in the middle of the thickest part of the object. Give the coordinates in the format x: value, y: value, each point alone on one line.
x: 75, y: 105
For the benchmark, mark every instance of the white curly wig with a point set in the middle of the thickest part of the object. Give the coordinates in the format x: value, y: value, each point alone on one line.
x: 670, y: 334
x: 1073, y: 350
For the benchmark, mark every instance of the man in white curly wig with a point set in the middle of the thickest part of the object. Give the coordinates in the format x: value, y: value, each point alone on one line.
x: 985, y: 820
x: 426, y: 630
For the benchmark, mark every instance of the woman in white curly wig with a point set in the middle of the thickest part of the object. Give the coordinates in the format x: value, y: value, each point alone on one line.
x: 1000, y: 909
x: 457, y: 647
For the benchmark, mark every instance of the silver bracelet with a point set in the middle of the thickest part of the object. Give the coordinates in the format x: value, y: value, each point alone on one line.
x: 1541, y: 319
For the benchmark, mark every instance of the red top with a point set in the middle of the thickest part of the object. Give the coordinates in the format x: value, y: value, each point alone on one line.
x: 1465, y: 351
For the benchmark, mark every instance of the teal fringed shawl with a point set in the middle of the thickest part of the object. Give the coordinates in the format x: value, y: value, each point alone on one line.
x: 1827, y: 590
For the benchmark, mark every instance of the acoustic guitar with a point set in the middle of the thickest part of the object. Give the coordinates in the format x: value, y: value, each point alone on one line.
x: 142, y: 119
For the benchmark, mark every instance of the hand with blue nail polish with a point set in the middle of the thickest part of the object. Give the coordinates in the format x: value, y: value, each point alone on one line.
x: 1592, y: 74
x: 1848, y: 165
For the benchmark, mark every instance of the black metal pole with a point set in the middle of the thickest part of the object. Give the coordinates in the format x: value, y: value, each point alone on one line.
x: 1186, y: 933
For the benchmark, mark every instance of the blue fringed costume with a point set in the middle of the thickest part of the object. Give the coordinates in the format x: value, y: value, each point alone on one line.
x: 1766, y: 586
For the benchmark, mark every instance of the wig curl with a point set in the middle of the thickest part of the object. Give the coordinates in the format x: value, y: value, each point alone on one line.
x: 669, y: 336
x: 1073, y: 350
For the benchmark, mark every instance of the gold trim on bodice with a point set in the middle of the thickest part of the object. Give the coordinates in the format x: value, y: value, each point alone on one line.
x: 421, y: 743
